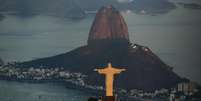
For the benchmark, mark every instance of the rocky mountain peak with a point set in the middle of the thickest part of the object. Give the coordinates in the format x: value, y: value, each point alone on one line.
x: 108, y: 25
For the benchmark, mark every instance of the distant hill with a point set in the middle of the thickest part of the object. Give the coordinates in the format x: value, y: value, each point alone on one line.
x: 2, y: 17
x: 190, y: 5
x: 145, y: 70
x: 1, y: 62
x: 153, y: 6
x: 77, y: 8
x: 150, y: 6
x: 61, y: 8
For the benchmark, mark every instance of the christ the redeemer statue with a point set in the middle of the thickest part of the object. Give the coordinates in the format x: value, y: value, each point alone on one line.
x: 109, y: 73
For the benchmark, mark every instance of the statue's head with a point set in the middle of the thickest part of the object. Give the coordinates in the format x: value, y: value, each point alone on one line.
x: 109, y: 65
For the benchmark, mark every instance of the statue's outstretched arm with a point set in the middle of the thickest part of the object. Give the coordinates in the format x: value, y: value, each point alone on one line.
x: 96, y: 70
x: 120, y: 70
x: 99, y: 70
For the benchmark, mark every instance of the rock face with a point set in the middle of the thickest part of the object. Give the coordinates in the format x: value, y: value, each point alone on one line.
x: 145, y: 70
x: 108, y: 25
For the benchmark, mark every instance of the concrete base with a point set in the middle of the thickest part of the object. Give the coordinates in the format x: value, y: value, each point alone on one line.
x: 108, y: 98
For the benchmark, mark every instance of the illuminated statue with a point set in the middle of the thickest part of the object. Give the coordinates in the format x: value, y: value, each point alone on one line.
x: 109, y: 72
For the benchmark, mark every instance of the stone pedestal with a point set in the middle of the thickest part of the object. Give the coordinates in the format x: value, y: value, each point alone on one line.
x: 108, y: 98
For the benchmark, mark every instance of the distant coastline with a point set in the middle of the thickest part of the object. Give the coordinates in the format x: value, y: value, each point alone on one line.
x: 190, y: 5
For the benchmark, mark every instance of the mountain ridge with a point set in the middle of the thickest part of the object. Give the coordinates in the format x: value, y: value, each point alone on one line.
x: 145, y: 70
